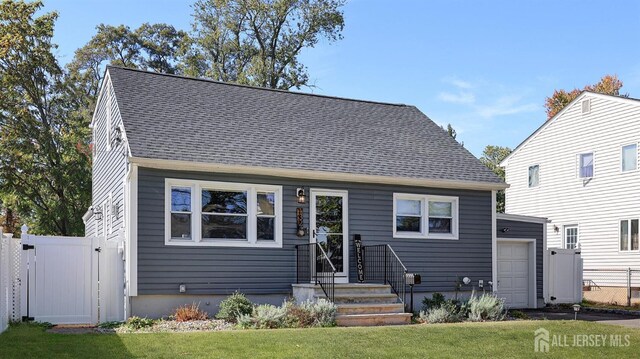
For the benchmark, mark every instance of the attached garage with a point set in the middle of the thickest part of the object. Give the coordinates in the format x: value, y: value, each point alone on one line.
x: 516, y: 282
x: 520, y: 260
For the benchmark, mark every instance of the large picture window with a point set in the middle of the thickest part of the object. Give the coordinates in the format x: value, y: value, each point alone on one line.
x: 223, y: 214
x: 425, y: 216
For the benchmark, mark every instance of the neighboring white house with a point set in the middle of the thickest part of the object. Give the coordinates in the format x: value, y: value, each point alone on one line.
x: 580, y: 170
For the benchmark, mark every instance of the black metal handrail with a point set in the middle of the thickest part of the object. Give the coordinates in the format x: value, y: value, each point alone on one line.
x: 382, y: 265
x: 313, y: 265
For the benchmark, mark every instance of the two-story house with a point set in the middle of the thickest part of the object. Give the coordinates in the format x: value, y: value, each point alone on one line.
x: 580, y: 170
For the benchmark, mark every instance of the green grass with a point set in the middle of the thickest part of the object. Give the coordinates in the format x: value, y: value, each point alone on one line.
x: 587, y: 303
x: 502, y: 340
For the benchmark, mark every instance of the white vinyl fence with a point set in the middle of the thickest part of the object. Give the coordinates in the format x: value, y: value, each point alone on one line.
x: 61, y: 280
x: 9, y: 280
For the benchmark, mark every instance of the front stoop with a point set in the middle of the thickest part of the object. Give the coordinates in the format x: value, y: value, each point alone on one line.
x: 360, y: 304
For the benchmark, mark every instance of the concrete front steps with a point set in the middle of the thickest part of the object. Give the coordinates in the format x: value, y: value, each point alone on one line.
x: 362, y: 304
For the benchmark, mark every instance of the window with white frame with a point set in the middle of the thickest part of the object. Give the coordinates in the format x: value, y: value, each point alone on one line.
x: 534, y: 176
x: 629, y: 235
x: 586, y: 165
x: 570, y: 237
x: 425, y: 216
x: 223, y: 214
x: 629, y: 157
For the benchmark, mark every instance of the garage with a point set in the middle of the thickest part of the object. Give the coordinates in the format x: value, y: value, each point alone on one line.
x: 514, y: 273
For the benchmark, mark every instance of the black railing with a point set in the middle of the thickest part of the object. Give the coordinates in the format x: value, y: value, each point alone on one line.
x: 313, y: 265
x: 382, y: 265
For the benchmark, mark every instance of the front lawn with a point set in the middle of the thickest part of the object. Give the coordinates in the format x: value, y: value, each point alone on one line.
x: 500, y: 340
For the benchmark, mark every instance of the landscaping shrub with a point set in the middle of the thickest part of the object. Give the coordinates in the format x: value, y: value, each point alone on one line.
x: 139, y: 323
x: 486, y: 307
x: 264, y: 316
x: 518, y: 314
x: 234, y: 306
x: 297, y: 316
x: 443, y: 314
x: 323, y: 312
x: 436, y: 301
x: 187, y: 313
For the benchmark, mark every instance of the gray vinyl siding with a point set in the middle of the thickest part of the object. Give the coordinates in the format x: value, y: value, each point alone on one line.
x: 527, y: 230
x: 109, y: 169
x: 222, y: 270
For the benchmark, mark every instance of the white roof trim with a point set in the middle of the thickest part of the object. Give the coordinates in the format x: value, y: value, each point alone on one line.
x: 520, y: 218
x: 569, y: 105
x: 317, y: 175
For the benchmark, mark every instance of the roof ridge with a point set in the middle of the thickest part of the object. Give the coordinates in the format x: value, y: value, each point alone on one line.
x: 256, y: 87
x: 627, y: 97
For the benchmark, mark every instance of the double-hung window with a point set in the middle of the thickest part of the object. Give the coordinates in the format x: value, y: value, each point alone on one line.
x: 223, y: 214
x: 585, y: 165
x: 425, y: 216
x: 629, y: 235
x: 629, y: 157
x: 534, y: 176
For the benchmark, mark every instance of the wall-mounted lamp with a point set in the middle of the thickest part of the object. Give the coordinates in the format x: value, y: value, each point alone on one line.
x: 556, y: 229
x: 97, y: 214
x: 505, y: 229
x: 118, y: 135
x: 302, y: 199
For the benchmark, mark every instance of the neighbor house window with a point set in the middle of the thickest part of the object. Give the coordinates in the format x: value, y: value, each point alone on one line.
x: 586, y: 165
x: 629, y: 235
x: 629, y: 157
x: 534, y: 176
x: 225, y: 214
x: 425, y: 216
x: 570, y: 237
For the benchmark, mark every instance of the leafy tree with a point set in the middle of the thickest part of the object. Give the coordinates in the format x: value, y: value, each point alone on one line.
x: 608, y: 84
x: 150, y: 47
x: 258, y: 42
x: 44, y: 169
x: 491, y: 157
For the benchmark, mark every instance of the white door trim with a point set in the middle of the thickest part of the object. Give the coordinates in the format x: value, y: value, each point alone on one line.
x: 341, y: 277
x: 533, y: 282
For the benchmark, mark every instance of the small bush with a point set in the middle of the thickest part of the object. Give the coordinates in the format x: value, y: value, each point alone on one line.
x: 323, y: 312
x: 436, y: 301
x: 264, y: 316
x: 187, y: 313
x: 234, y: 306
x: 139, y: 323
x: 487, y: 307
x: 448, y: 312
x: 297, y: 316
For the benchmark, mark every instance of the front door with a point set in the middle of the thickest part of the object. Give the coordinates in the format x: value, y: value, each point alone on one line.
x: 329, y: 228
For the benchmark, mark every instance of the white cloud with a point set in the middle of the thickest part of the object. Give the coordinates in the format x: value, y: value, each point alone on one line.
x: 462, y: 97
x: 505, y: 105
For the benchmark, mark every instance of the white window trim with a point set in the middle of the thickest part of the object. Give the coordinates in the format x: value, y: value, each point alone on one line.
x: 424, y: 220
x: 629, y: 219
x: 579, y: 164
x: 529, y: 168
x: 108, y: 124
x: 196, y: 214
x: 622, y: 156
x: 564, y: 236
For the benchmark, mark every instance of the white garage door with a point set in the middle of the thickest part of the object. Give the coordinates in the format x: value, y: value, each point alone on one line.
x: 513, y: 273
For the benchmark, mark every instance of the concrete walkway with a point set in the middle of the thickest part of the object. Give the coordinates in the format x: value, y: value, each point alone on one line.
x: 629, y: 321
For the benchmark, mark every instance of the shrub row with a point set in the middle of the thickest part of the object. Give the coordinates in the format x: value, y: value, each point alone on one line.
x: 486, y: 307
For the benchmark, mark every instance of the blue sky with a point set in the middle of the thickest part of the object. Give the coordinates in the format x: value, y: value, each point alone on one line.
x: 483, y: 66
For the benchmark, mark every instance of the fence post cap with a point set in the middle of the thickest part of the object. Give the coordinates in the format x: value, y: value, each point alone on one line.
x: 24, y: 229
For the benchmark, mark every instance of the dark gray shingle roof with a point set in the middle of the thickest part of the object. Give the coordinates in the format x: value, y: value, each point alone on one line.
x: 178, y: 118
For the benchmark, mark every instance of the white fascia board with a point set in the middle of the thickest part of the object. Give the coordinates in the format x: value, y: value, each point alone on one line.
x: 316, y: 175
x: 520, y: 218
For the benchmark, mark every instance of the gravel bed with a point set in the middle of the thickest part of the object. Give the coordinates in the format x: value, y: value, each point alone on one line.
x: 172, y: 326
